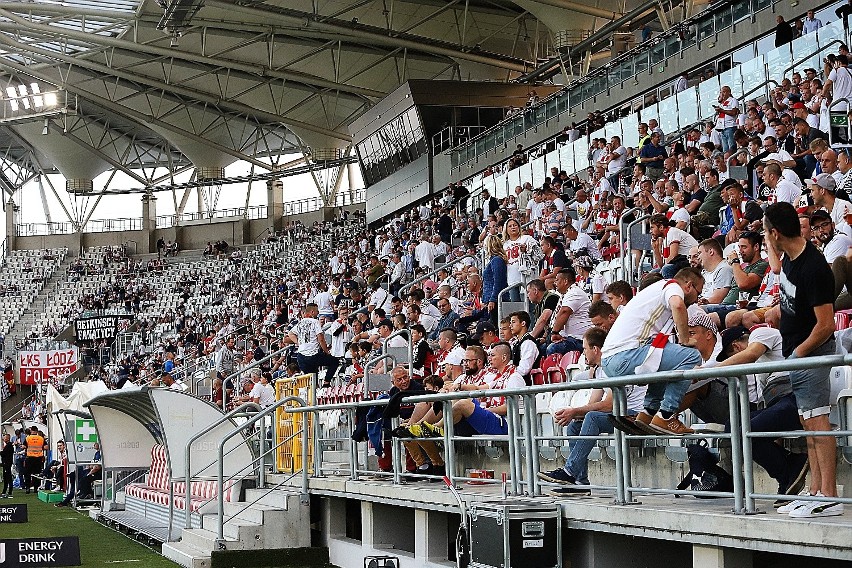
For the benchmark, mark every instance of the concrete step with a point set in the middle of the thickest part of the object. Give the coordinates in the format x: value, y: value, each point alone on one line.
x: 186, y: 555
x: 254, y: 513
x: 279, y: 498
x: 205, y: 540
x: 245, y: 532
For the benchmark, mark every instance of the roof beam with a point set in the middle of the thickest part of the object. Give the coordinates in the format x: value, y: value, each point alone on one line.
x: 257, y: 70
x: 581, y: 8
x: 131, y: 114
x: 307, y: 21
x: 194, y: 94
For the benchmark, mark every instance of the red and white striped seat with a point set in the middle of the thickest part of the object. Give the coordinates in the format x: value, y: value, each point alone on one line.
x: 156, y: 487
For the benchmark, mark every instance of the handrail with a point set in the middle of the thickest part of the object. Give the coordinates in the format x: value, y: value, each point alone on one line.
x: 519, y: 285
x: 621, y: 236
x: 425, y: 277
x: 187, y: 454
x: 248, y: 367
x: 409, y: 345
x: 220, y: 524
x: 632, y: 276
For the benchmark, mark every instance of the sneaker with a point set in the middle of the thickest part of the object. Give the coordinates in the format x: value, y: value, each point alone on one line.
x: 642, y: 424
x: 558, y: 475
x: 426, y: 430
x: 795, y: 504
x: 401, y: 432
x: 626, y: 424
x: 571, y: 491
x: 814, y: 509
x: 671, y: 425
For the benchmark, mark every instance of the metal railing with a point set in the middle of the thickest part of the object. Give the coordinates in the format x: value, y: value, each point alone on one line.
x: 523, y: 432
x: 641, y: 59
x: 343, y: 199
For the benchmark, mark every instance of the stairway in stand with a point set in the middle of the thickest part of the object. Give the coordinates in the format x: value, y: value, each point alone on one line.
x: 267, y: 519
x: 22, y: 327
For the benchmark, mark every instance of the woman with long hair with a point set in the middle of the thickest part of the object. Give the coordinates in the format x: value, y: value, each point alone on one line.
x: 494, y: 274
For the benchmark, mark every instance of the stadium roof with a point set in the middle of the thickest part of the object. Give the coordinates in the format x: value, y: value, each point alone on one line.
x: 150, y: 87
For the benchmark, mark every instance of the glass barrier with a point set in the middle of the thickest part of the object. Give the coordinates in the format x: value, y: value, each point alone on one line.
x: 541, y: 167
x: 566, y: 157
x: 630, y: 130
x: 687, y: 104
x: 681, y: 37
x: 708, y: 95
x: 581, y: 154
x: 669, y: 121
x: 801, y: 48
x: 753, y: 75
x: 613, y: 129
x: 648, y: 113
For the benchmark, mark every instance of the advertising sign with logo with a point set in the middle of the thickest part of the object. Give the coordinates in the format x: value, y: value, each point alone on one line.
x: 13, y: 513
x: 38, y: 367
x: 38, y: 552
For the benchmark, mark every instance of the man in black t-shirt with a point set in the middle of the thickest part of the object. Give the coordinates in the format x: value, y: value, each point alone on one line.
x: 542, y: 304
x: 807, y: 330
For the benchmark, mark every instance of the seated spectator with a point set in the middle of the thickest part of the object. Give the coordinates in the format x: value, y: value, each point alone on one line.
x: 487, y: 416
x: 571, y: 320
x: 669, y: 245
x: 748, y: 270
x: 590, y: 419
x: 716, y: 271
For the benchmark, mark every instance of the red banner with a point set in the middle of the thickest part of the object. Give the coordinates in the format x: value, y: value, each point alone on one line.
x: 36, y: 367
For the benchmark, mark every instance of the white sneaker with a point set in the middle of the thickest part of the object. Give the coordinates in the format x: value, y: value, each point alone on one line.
x: 814, y: 509
x: 785, y: 509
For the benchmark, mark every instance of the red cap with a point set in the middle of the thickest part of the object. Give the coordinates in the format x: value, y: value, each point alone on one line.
x: 794, y: 106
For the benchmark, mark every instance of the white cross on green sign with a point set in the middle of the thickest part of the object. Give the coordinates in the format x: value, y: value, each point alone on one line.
x: 85, y: 431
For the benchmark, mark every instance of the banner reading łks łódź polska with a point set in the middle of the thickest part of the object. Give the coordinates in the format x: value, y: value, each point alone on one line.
x: 98, y: 328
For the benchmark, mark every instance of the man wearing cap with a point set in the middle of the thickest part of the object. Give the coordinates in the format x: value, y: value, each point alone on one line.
x: 834, y: 244
x: 824, y: 194
x: 589, y: 419
x: 485, y: 335
x: 774, y: 406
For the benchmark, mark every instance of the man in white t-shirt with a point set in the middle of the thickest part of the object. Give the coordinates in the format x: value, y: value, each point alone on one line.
x: 834, y: 243
x: 782, y: 190
x: 839, y: 83
x: 777, y: 410
x: 424, y: 254
x: 571, y: 318
x: 617, y: 160
x: 263, y: 393
x: 716, y: 272
x: 325, y: 303
x: 590, y: 419
x: 639, y: 342
x: 312, y: 351
x: 670, y: 245
x: 727, y: 112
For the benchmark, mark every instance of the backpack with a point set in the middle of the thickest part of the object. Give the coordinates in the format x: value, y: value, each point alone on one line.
x: 704, y: 472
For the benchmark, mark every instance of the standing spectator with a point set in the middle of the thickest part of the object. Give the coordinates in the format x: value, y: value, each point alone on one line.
x: 843, y: 12
x: 653, y: 154
x: 783, y: 32
x: 522, y: 253
x: 489, y: 204
x: 811, y: 23
x: 807, y: 330
x: 727, y: 111
x: 312, y: 351
x: 7, y: 456
x: 494, y: 274
x: 34, y: 463
x: 616, y: 161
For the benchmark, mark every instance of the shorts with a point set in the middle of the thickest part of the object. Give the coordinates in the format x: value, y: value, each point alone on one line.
x: 812, y: 387
x: 482, y: 421
x: 760, y: 313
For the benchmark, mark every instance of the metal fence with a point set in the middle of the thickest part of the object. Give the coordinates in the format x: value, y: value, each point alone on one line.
x: 524, y: 436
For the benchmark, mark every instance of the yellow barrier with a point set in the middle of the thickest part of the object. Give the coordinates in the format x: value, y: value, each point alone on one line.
x: 288, y: 458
